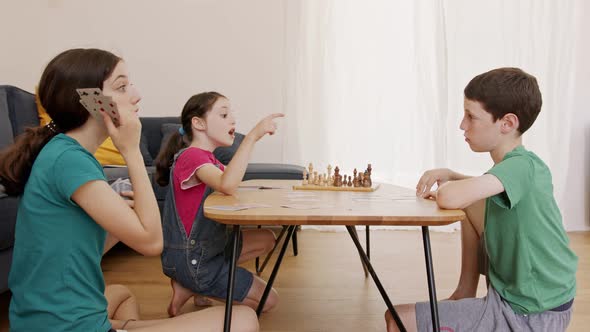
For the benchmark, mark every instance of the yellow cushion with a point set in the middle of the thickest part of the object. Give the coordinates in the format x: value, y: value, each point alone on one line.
x: 107, y: 153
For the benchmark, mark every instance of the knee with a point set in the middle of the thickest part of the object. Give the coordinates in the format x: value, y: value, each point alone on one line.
x: 118, y: 292
x: 272, y: 300
x: 244, y: 319
x: 389, y: 322
x: 270, y: 239
x: 405, y: 313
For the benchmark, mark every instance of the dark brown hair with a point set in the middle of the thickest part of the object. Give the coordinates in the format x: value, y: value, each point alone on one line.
x: 198, y: 105
x: 507, y: 90
x: 72, y: 69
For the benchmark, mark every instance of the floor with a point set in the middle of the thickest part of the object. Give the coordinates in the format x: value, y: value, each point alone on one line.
x: 324, y: 287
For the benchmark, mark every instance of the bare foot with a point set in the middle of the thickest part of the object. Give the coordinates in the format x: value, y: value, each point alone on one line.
x: 179, y: 297
x: 202, y: 301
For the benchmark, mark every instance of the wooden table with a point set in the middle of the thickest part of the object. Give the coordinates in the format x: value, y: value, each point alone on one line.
x: 389, y: 205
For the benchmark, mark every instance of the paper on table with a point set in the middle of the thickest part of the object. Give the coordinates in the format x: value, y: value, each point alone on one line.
x: 303, y: 206
x: 300, y: 194
x: 303, y: 199
x: 238, y: 207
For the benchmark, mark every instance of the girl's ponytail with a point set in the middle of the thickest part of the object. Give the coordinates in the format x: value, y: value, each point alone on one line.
x: 16, y: 160
x: 166, y: 157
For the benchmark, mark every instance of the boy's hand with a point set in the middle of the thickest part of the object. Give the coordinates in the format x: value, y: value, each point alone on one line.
x: 126, y: 136
x: 439, y: 175
x: 265, y: 126
x: 431, y: 195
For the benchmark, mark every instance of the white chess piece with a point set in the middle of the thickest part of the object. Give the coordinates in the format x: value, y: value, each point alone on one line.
x: 304, y: 182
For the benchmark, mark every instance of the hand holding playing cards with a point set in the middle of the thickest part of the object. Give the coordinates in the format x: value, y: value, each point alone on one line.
x: 126, y: 136
x: 265, y: 126
x: 128, y: 195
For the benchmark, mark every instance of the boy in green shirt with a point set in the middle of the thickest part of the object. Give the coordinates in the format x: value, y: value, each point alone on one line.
x: 531, y: 269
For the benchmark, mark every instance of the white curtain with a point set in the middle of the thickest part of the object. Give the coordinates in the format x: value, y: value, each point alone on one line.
x: 381, y: 81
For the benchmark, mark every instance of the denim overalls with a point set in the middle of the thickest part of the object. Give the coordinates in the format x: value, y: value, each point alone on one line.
x: 197, y: 262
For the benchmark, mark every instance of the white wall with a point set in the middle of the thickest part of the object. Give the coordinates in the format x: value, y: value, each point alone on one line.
x: 576, y: 209
x: 180, y: 47
x: 174, y: 49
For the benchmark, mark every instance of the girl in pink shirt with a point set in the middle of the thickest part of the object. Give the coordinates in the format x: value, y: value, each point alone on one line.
x: 194, y: 246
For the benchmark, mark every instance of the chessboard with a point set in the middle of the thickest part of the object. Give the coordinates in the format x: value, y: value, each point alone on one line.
x: 374, y: 187
x: 359, y: 181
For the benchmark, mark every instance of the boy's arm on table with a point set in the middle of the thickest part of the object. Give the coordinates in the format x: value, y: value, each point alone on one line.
x: 462, y: 193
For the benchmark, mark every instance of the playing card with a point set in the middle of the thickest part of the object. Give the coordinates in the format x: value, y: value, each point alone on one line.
x: 94, y: 101
x: 121, y: 185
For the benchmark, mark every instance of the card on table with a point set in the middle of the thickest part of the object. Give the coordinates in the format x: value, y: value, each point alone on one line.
x: 302, y: 206
x: 238, y: 207
x: 94, y: 101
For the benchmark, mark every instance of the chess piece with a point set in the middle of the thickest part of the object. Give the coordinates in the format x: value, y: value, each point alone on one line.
x: 310, y: 167
x: 369, y: 169
x: 304, y: 177
x: 366, y: 181
x: 355, y: 180
x: 316, y: 179
x: 336, y: 175
x: 329, y: 172
x: 349, y: 181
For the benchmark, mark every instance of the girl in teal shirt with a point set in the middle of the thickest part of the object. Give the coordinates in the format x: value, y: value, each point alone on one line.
x: 67, y: 209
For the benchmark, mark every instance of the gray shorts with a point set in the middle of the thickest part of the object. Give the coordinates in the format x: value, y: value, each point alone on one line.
x: 490, y: 313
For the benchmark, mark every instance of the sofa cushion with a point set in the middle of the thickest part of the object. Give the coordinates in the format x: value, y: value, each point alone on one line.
x: 224, y: 154
x: 145, y: 151
x: 17, y: 112
x: 6, y: 135
x: 151, y: 129
x: 167, y: 130
x: 273, y: 171
x: 8, y: 208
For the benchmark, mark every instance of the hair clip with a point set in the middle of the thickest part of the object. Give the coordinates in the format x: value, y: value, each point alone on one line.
x: 52, y: 127
x: 181, y: 131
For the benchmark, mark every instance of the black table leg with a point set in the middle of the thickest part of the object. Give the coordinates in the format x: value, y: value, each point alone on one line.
x: 368, y: 242
x: 281, y: 234
x: 351, y: 230
x: 295, y: 249
x: 430, y: 276
x: 257, y: 262
x: 361, y: 257
x: 275, y: 270
x: 232, y: 275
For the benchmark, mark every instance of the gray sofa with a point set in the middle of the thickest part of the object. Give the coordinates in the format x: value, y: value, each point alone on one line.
x: 18, y: 111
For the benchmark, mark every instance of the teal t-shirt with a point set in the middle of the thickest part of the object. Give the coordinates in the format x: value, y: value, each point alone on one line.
x: 530, y: 262
x: 56, y: 278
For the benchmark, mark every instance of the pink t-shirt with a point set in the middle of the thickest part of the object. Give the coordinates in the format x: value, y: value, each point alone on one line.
x: 188, y: 189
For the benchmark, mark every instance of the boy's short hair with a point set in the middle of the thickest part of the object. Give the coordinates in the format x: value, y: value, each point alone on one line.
x: 507, y: 90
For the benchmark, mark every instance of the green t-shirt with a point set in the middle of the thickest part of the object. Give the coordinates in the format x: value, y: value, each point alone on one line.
x: 531, y: 264
x: 56, y: 278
